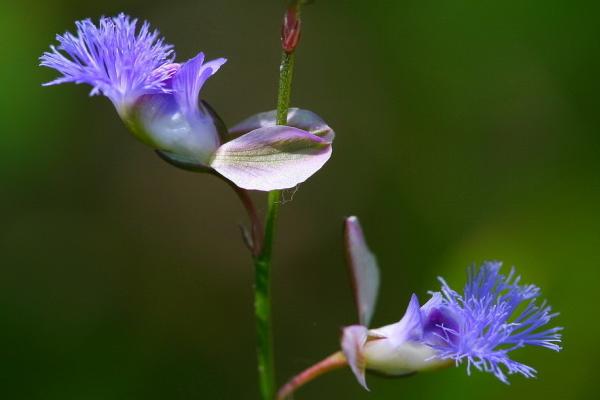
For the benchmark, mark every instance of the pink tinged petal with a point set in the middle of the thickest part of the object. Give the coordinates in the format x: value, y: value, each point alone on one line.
x: 297, y: 118
x: 364, y: 272
x: 353, y: 341
x: 271, y: 158
x: 409, y: 328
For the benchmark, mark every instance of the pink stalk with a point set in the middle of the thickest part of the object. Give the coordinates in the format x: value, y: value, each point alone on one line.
x: 334, y: 361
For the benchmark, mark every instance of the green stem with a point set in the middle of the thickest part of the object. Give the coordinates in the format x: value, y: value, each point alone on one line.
x: 262, y: 303
x: 262, y: 262
x: 286, y: 72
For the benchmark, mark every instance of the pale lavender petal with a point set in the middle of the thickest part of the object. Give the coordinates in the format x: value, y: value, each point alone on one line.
x: 353, y: 340
x: 271, y: 158
x: 159, y: 121
x: 364, y: 272
x: 298, y: 118
x: 190, y: 78
x: 177, y: 124
x: 410, y: 327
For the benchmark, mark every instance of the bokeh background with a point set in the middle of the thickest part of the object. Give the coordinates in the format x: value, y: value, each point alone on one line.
x: 467, y: 131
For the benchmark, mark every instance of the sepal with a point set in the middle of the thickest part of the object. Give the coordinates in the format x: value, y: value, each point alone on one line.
x: 353, y: 342
x: 271, y: 158
x: 297, y: 118
x: 363, y: 269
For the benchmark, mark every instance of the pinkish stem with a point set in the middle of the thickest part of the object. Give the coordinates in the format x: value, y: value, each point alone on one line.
x: 334, y: 361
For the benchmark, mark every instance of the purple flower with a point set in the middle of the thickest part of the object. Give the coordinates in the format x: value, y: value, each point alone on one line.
x: 494, y: 315
x: 158, y: 101
x: 114, y: 59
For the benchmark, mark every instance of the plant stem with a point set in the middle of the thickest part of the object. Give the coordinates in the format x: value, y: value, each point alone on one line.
x: 334, y: 361
x: 286, y: 72
x: 262, y: 262
x: 262, y: 303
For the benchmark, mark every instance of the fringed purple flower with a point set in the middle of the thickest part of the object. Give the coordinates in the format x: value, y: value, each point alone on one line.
x: 158, y: 101
x: 494, y: 315
x: 114, y: 59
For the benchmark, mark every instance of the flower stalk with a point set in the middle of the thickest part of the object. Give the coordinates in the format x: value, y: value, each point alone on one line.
x: 263, y: 261
x: 158, y: 99
x: 334, y: 361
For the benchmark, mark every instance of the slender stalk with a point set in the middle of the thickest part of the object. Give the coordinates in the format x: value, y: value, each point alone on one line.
x: 334, y: 361
x: 286, y: 72
x: 262, y: 262
x: 262, y: 302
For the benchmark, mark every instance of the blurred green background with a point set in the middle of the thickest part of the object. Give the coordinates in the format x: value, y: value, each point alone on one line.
x: 467, y: 131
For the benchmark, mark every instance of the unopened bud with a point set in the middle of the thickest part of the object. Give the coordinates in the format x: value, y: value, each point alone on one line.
x: 290, y: 30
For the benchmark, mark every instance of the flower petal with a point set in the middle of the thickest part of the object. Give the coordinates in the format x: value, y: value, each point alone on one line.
x: 353, y: 340
x: 434, y: 302
x: 410, y: 327
x: 270, y: 158
x: 190, y: 78
x: 176, y: 124
x: 159, y: 121
x: 495, y: 315
x: 363, y: 268
x: 117, y: 57
x: 298, y: 118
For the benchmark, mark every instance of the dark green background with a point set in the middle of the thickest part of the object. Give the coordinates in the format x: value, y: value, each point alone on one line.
x: 466, y: 131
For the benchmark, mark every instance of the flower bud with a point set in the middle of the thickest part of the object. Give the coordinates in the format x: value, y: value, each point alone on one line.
x: 290, y: 30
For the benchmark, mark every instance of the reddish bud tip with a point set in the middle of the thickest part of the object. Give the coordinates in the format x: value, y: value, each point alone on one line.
x: 290, y: 30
